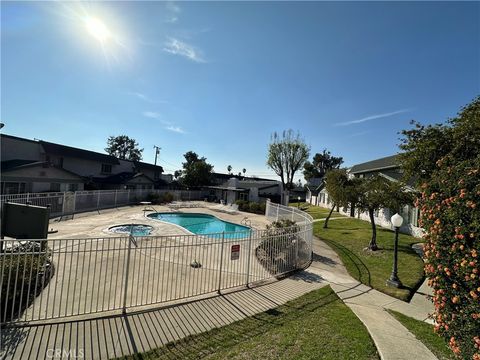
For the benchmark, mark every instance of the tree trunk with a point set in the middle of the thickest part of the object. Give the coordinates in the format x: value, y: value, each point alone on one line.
x: 325, y: 224
x: 373, y: 243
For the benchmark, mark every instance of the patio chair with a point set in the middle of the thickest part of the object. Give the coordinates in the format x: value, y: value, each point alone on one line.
x: 232, y: 209
x: 219, y: 207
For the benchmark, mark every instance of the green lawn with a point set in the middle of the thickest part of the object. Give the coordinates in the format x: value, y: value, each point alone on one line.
x: 348, y: 237
x: 424, y: 333
x: 316, y: 212
x: 316, y: 325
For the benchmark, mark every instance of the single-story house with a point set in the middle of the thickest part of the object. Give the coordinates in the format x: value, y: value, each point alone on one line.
x: 387, y: 167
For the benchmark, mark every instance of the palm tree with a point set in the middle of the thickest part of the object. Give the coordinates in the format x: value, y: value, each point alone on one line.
x: 244, y: 171
x: 229, y: 169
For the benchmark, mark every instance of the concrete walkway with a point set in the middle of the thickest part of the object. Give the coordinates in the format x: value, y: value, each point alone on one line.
x: 104, y: 338
x: 392, y: 339
x: 323, y: 219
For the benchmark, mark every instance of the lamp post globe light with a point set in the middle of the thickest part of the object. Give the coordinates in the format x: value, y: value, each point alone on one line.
x: 298, y: 202
x: 394, y: 281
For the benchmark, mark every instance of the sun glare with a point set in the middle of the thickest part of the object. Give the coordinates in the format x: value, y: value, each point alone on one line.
x: 97, y: 29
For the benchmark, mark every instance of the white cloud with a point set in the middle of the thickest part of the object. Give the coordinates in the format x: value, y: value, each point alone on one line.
x: 172, y: 19
x: 151, y: 114
x: 146, y: 98
x: 177, y: 47
x: 373, y: 117
x: 173, y: 7
x: 176, y: 129
x: 361, y: 133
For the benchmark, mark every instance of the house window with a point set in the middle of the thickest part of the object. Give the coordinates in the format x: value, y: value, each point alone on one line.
x: 13, y: 188
x: 410, y: 215
x: 106, y: 169
x: 243, y: 196
x: 55, y: 187
x: 60, y: 162
x: 72, y: 187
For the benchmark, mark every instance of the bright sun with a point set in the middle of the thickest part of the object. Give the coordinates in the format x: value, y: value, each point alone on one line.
x: 97, y: 29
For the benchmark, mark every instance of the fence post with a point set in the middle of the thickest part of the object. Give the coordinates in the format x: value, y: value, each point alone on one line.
x: 221, y: 263
x: 296, y: 249
x: 115, y: 197
x: 98, y: 200
x: 63, y: 203
x: 74, y: 203
x: 127, y: 269
x: 249, y: 257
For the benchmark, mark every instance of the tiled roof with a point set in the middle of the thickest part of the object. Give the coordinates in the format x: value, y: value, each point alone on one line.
x: 12, y: 164
x: 229, y: 176
x: 378, y: 164
x: 120, y: 178
x: 144, y: 165
x: 62, y: 150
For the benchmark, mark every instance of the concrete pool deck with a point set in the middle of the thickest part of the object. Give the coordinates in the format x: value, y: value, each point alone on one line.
x: 96, y: 224
x: 97, y: 270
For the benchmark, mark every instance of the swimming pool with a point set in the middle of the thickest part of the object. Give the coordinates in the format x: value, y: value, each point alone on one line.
x: 203, y: 224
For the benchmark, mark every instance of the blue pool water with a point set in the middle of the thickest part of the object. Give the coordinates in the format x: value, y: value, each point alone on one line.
x: 135, y: 229
x: 203, y: 224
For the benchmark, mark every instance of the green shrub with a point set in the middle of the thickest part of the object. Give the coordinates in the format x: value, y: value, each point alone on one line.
x: 167, y: 197
x: 262, y: 207
x: 452, y: 249
x: 280, y: 247
x: 243, y: 205
x: 155, y: 198
x: 252, y: 207
x: 24, y: 276
x: 446, y: 161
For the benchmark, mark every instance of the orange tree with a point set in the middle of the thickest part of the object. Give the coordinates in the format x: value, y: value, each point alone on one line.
x: 445, y: 162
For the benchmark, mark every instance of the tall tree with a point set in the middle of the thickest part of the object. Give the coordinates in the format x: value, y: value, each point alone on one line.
x: 321, y: 163
x: 377, y: 192
x: 244, y: 171
x: 177, y: 174
x: 342, y: 190
x: 286, y: 155
x: 123, y: 147
x: 444, y: 160
x: 196, y: 171
x: 229, y: 169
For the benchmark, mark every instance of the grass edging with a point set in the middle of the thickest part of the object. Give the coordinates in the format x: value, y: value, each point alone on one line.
x: 424, y: 332
x: 348, y: 237
x: 317, y: 325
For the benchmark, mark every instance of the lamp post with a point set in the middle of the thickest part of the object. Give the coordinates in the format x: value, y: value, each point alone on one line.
x: 394, y: 281
x: 298, y: 202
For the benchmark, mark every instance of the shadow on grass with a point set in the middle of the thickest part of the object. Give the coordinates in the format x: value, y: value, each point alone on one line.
x: 212, y: 341
x: 184, y: 331
x: 363, y: 273
x: 359, y: 268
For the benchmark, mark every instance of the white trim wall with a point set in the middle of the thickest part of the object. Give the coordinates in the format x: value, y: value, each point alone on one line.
x: 382, y: 217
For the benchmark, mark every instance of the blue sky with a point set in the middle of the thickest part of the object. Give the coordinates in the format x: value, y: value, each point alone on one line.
x: 219, y: 78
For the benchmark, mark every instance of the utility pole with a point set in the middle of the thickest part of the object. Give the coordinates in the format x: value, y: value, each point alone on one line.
x: 157, y: 151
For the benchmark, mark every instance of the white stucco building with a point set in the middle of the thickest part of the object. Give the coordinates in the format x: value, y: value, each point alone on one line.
x: 390, y: 169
